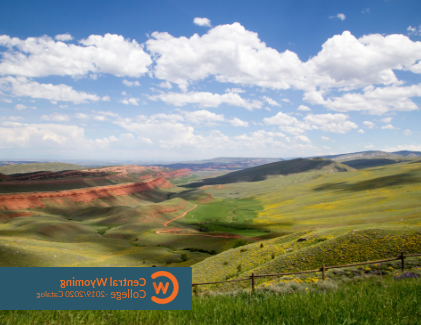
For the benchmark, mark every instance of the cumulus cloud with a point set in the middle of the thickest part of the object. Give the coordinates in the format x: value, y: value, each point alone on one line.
x: 24, y: 87
x: 339, y: 16
x: 407, y: 132
x: 235, y: 90
x: 303, y: 108
x: 271, y: 101
x: 387, y: 119
x: 361, y: 131
x: 130, y: 101
x: 237, y: 122
x: 375, y: 101
x: 203, y: 117
x: 131, y: 83
x: 414, y: 31
x: 56, y: 117
x: 287, y: 123
x: 337, y: 123
x: 369, y: 124
x: 165, y: 84
x: 325, y: 138
x: 388, y: 127
x: 64, y: 37
x: 82, y: 116
x: 410, y: 147
x: 42, y: 56
x: 202, y: 22
x: 206, y: 99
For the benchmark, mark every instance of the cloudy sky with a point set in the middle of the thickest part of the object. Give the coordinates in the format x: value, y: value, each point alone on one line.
x: 179, y: 80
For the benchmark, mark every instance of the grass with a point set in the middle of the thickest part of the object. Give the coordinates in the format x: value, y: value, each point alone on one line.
x: 38, y: 167
x: 374, y: 301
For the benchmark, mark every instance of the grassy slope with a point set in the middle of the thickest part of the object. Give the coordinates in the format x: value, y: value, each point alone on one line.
x: 326, y: 209
x: 376, y: 301
x: 263, y: 172
x: 38, y: 167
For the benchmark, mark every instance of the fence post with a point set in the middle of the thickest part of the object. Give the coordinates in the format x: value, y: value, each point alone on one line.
x: 252, y: 282
x: 323, y: 272
x: 403, y: 263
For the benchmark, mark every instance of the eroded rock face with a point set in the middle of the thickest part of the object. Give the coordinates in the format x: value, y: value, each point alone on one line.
x: 36, y: 199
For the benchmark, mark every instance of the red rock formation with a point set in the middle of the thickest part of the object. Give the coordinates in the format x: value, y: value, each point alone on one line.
x: 35, y: 200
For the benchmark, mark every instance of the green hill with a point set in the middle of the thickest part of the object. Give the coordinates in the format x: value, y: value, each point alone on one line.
x: 31, y: 168
x: 284, y: 168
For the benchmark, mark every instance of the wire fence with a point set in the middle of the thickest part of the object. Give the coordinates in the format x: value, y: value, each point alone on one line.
x: 322, y: 269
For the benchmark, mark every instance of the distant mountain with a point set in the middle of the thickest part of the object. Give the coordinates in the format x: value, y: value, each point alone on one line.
x: 287, y: 167
x: 224, y: 163
x: 374, y: 158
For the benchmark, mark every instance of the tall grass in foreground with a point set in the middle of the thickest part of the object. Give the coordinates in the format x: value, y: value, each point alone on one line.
x: 373, y: 301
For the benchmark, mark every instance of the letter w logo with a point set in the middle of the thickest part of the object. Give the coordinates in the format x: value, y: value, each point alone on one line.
x: 161, y: 286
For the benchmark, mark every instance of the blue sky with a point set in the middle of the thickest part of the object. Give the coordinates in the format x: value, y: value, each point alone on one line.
x: 180, y: 80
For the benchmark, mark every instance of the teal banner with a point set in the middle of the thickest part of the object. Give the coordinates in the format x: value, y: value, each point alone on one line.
x: 95, y: 288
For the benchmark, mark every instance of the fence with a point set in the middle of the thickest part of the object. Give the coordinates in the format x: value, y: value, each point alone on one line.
x: 323, y: 269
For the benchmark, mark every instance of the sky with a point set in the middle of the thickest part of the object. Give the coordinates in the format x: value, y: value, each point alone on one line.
x: 181, y: 80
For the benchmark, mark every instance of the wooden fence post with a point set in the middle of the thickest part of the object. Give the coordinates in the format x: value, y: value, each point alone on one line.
x: 323, y: 272
x: 252, y: 282
x: 403, y: 263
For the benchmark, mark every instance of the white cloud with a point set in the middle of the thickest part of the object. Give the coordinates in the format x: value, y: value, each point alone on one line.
x: 11, y: 118
x: 366, y: 11
x: 53, y: 102
x: 413, y: 30
x: 407, y: 132
x: 228, y: 52
x: 369, y: 146
x: 124, y: 93
x: 20, y: 107
x: 369, y: 124
x: 203, y: 117
x: 107, y: 113
x: 388, y: 127
x: 165, y: 84
x: 81, y: 116
x: 268, y: 109
x: 375, y: 101
x: 6, y: 100
x: 361, y: 131
x: 234, y: 90
x: 271, y: 101
x: 64, y: 37
x: 101, y: 118
x: 337, y: 123
x: 202, y: 22
x: 62, y: 106
x: 131, y: 83
x: 22, y: 86
x: 237, y: 122
x: 325, y: 138
x: 410, y: 147
x: 206, y: 99
x: 131, y: 101
x: 387, y: 119
x: 303, y: 108
x: 286, y: 100
x: 287, y: 123
x: 302, y: 138
x: 56, y: 117
x: 42, y: 56
x: 339, y: 16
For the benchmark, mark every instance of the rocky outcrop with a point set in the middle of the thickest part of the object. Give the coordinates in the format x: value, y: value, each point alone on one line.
x: 37, y: 199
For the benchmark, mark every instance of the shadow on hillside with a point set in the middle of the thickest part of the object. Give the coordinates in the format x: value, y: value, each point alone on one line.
x: 371, y: 184
x: 366, y: 163
x: 261, y: 173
